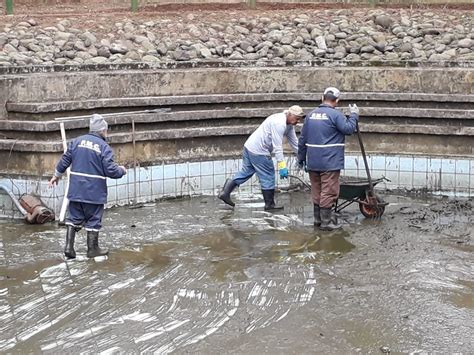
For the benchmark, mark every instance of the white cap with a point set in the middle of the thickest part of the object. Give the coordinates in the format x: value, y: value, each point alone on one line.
x: 296, y: 110
x: 332, y: 93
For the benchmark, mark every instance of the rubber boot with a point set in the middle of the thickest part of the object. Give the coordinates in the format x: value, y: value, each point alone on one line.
x: 317, y: 215
x: 93, y: 248
x: 69, y: 251
x: 328, y: 223
x: 269, y: 198
x: 227, y: 189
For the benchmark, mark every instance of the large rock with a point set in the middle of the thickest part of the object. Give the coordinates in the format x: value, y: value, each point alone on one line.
x: 8, y: 48
x: 242, y: 30
x: 236, y: 56
x: 275, y: 36
x: 150, y: 59
x: 286, y: 39
x: 104, y: 52
x: 65, y: 36
x: 98, y: 60
x: 384, y: 20
x: 316, y: 32
x: 465, y: 43
x: 447, y: 39
x: 181, y: 55
x: 118, y: 48
x: 161, y: 48
x: 439, y: 57
x: 367, y: 49
x: 203, y: 51
x: 319, y: 53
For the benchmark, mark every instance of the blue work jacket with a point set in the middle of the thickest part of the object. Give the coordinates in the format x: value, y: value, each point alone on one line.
x: 92, y: 162
x: 322, y: 139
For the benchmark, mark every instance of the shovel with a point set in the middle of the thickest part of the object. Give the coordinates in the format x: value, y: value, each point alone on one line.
x: 371, y: 197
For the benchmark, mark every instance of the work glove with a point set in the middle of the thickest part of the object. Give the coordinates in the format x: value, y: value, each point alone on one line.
x: 283, y: 170
x: 283, y: 173
x: 302, y: 165
x: 354, y: 109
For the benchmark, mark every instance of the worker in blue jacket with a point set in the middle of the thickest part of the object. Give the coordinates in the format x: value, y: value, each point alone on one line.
x: 91, y: 161
x: 321, y: 150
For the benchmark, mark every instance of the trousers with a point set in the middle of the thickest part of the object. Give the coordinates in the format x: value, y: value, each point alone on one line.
x: 324, y: 187
x: 87, y: 215
x: 262, y: 165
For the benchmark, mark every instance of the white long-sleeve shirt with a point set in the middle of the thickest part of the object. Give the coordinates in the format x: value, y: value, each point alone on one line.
x: 268, y: 137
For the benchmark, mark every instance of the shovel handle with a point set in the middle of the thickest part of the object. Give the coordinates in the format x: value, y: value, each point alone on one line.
x: 364, y: 156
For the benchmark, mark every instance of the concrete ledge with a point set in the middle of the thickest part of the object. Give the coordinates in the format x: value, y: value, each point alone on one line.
x: 64, y: 106
x: 149, y: 116
x: 55, y: 146
x: 15, y: 70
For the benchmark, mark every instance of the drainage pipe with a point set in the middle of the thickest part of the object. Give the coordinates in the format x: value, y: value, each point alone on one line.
x: 10, y: 193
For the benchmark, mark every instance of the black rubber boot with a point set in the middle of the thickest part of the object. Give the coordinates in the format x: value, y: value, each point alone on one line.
x: 93, y: 248
x: 227, y: 189
x: 317, y: 215
x: 69, y: 251
x: 269, y: 198
x: 328, y: 222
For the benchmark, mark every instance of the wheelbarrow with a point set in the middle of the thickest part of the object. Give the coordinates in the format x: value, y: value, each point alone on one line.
x: 355, y: 190
x: 361, y: 191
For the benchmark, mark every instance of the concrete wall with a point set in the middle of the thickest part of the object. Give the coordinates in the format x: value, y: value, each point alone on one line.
x: 444, y: 129
x: 426, y: 144
x: 69, y: 85
x: 30, y: 98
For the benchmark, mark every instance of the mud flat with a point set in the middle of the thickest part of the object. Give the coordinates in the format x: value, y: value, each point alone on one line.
x: 191, y: 275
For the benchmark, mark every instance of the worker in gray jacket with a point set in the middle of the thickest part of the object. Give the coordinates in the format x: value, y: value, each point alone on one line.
x: 257, y: 159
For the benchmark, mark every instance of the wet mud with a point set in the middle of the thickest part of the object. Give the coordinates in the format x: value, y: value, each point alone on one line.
x: 194, y: 276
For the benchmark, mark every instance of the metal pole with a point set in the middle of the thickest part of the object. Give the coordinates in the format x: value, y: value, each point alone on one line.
x: 134, y: 163
x: 9, y: 7
x: 252, y: 3
x: 134, y: 5
x: 62, y: 213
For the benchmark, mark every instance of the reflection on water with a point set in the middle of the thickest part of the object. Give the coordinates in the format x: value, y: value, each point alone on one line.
x: 464, y: 297
x: 191, y: 275
x: 311, y: 246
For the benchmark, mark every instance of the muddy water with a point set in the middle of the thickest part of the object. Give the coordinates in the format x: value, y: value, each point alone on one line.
x: 193, y: 276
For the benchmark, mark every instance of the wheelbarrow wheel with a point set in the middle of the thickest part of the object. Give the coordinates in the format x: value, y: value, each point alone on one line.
x: 370, y: 208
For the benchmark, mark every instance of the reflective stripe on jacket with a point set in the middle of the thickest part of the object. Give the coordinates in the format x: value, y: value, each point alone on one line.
x: 322, y: 140
x: 92, y: 162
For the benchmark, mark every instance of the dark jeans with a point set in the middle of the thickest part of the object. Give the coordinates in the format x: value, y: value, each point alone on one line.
x: 324, y: 187
x: 86, y: 215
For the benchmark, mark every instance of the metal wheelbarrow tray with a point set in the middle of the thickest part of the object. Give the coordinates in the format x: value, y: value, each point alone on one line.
x: 357, y: 190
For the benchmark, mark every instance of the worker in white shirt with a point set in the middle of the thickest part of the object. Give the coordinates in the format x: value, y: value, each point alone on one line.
x: 257, y: 159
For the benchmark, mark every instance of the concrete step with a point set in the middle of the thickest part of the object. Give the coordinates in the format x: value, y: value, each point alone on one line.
x: 187, y: 117
x: 27, y: 145
x: 128, y: 102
